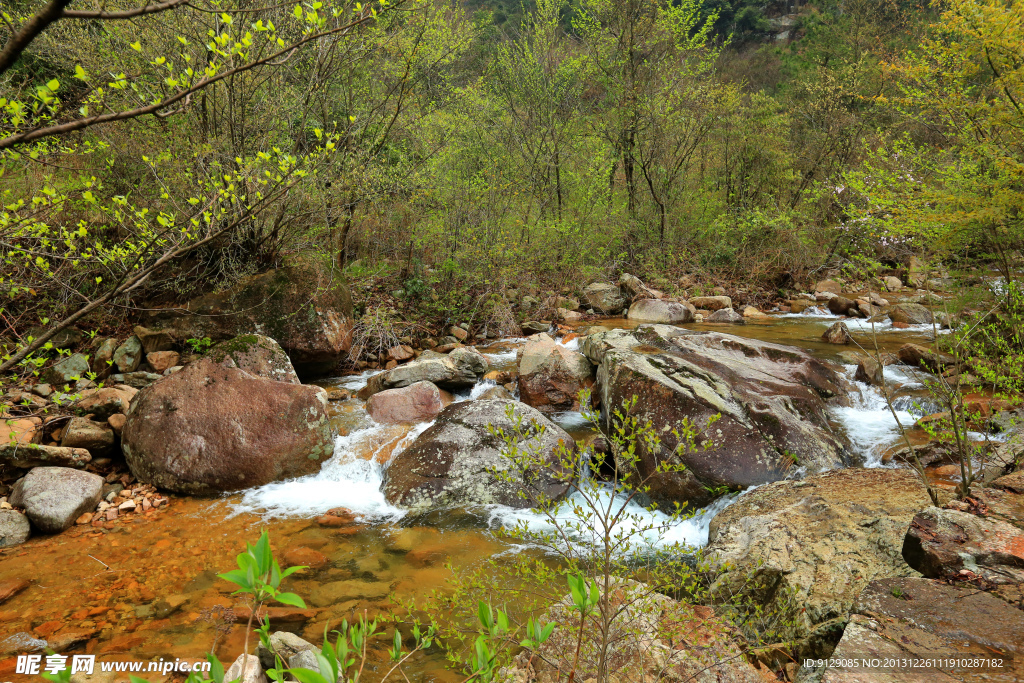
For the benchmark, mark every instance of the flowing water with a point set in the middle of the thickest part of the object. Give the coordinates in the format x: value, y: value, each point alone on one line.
x: 146, y: 587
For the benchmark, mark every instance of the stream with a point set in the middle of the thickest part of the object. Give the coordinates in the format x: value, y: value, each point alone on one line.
x: 147, y: 587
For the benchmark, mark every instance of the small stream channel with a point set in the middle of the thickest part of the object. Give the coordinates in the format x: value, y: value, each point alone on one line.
x: 147, y: 587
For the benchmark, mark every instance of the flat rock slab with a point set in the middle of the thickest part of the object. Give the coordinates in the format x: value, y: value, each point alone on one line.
x: 54, y: 497
x: 912, y: 618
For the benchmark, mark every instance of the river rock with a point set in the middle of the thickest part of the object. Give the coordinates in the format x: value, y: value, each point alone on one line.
x: 154, y: 341
x: 869, y: 371
x: 419, y: 402
x: 286, y: 645
x: 54, y: 497
x: 453, y: 462
x: 771, y: 398
x: 635, y: 288
x: 498, y: 392
x: 67, y: 370
x: 256, y: 354
x: 604, y: 298
x: 14, y: 528
x: 95, y: 437
x: 940, y: 543
x: 659, y: 311
x: 470, y: 365
x: 209, y: 428
x: 830, y: 286
x: 441, y: 371
x: 246, y: 669
x: 37, y: 455
x: 303, y: 307
x: 910, y: 314
x: 160, y: 361
x: 725, y: 315
x: 651, y: 638
x: 711, y: 303
x: 923, y: 357
x: 840, y: 305
x: 822, y: 539
x: 128, y: 355
x: 551, y: 375
x: 104, y: 402
x: 837, y: 333
x: 1011, y: 482
x: 916, y: 621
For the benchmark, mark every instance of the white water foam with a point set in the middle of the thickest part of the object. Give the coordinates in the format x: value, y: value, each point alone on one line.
x: 346, y: 480
x: 869, y: 423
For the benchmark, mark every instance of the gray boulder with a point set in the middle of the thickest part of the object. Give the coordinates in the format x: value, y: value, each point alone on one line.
x: 129, y: 355
x: 453, y: 462
x: 660, y: 311
x: 285, y: 644
x: 68, y: 370
x: 725, y: 315
x: 54, y: 497
x: 772, y: 401
x: 604, y: 298
x: 14, y: 528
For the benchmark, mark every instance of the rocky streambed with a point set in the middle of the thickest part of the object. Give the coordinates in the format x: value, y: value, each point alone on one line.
x: 377, y: 480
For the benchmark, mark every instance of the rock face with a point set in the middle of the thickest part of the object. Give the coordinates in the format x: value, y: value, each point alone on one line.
x: 305, y: 310
x: 604, y: 298
x: 417, y: 402
x: 256, y: 354
x: 910, y: 314
x: 823, y: 538
x: 659, y: 311
x: 711, y: 303
x: 452, y: 462
x: 54, y: 497
x: 917, y: 619
x: 209, y: 428
x: 941, y: 542
x: 653, y: 638
x: 14, y: 528
x: 551, y: 376
x: 771, y: 399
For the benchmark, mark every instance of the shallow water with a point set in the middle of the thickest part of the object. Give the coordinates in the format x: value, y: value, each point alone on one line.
x: 110, y: 581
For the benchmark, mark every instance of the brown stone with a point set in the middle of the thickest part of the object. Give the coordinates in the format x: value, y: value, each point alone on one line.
x: 116, y: 422
x: 837, y: 333
x: 923, y: 357
x: 304, y: 557
x: 1011, y: 482
x: 458, y: 333
x: 162, y: 360
x: 869, y: 371
x: 938, y: 539
x: 11, y: 587
x: 400, y: 353
x: 417, y: 402
x: 277, y: 615
x: 552, y: 376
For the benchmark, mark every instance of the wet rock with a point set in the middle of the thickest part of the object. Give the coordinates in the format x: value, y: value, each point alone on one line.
x: 551, y: 376
x: 711, y: 303
x: 10, y: 587
x: 246, y: 669
x: 725, y: 315
x: 940, y: 543
x: 659, y: 311
x: 54, y: 497
x: 604, y: 298
x: 304, y: 557
x: 869, y: 371
x: 419, y: 402
x: 67, y: 370
x: 14, y: 528
x: 751, y: 312
x: 840, y: 305
x: 498, y: 392
x: 210, y: 428
x: 470, y: 365
x: 923, y: 357
x: 161, y: 361
x: 21, y: 643
x: 837, y: 333
x: 917, y: 619
x: 452, y: 462
x: 830, y: 286
x: 910, y: 314
x: 286, y: 645
x: 303, y: 307
x: 461, y: 368
x: 104, y: 402
x: 256, y: 354
x: 332, y: 593
x: 95, y: 437
x: 823, y: 539
x: 652, y: 638
x: 128, y: 355
x: 771, y: 399
x: 36, y: 455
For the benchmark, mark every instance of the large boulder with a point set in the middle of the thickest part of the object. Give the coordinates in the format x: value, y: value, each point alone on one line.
x: 940, y: 543
x: 54, y: 497
x: 552, y: 376
x: 816, y: 543
x: 604, y: 298
x: 256, y: 354
x: 910, y: 314
x: 660, y: 311
x: 771, y: 401
x: 210, y: 428
x: 454, y: 462
x: 417, y: 402
x: 923, y: 357
x: 461, y: 368
x: 305, y: 309
x: 14, y: 528
x: 911, y: 625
